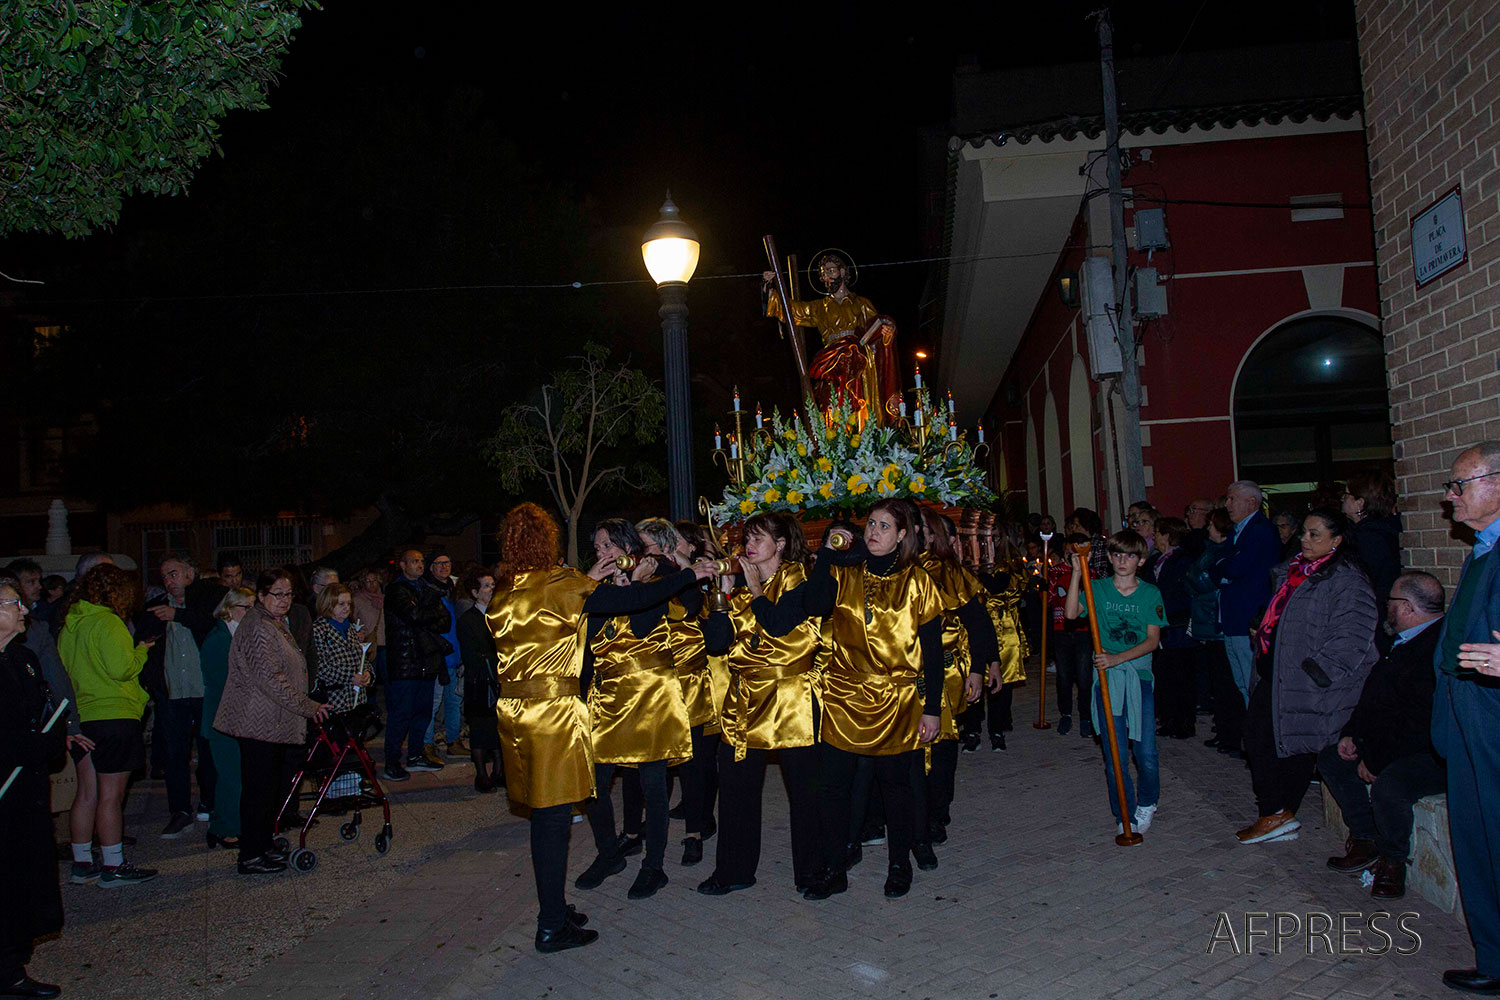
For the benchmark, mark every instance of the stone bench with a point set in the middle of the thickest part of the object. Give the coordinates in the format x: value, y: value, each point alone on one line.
x: 1431, y: 872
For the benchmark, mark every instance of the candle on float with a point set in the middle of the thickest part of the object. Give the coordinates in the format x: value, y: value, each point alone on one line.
x: 718, y: 440
x: 981, y: 432
x: 950, y: 400
x: 903, y: 409
x: 919, y: 416
x: 952, y: 431
x: 758, y: 420
x: 734, y: 447
x: 736, y: 399
x: 918, y: 369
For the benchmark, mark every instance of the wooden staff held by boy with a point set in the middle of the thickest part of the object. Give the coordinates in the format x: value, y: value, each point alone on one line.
x: 1041, y: 699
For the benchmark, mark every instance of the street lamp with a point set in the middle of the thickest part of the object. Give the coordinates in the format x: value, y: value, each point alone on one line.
x: 670, y: 250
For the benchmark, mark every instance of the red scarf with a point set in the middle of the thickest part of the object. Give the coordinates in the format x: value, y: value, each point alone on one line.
x: 1297, y: 573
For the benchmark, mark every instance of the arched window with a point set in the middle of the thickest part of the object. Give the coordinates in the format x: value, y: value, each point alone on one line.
x: 1310, y: 406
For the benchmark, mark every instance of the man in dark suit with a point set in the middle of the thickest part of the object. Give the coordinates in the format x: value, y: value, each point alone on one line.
x: 1466, y: 714
x: 1384, y: 763
x: 1245, y: 577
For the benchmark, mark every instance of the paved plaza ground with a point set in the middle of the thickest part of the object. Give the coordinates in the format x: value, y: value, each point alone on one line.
x: 1032, y: 899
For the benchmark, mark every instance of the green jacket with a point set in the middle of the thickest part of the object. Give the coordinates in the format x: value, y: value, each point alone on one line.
x: 103, y: 662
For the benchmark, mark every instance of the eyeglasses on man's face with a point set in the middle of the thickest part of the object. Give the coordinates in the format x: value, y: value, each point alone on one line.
x: 280, y: 595
x: 1456, y: 486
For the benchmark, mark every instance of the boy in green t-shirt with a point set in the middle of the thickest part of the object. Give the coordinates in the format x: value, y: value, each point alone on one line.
x: 1130, y: 623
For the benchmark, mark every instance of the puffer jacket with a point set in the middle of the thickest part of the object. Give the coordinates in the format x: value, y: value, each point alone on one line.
x: 265, y: 694
x: 1202, y: 582
x: 1323, y: 652
x: 415, y: 620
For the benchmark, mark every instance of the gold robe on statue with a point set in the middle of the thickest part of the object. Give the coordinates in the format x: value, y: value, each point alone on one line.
x: 537, y: 625
x: 958, y: 587
x: 772, y: 679
x: 870, y: 701
x: 636, y: 699
x: 693, y: 668
x: 1005, y: 613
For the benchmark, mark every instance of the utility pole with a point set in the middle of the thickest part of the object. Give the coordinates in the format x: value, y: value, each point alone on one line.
x: 1130, y: 377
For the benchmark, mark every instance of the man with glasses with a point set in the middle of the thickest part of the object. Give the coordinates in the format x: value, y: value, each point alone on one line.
x: 1245, y: 579
x: 448, y: 693
x: 1466, y: 713
x: 1196, y: 514
x: 415, y: 649
x: 1384, y: 762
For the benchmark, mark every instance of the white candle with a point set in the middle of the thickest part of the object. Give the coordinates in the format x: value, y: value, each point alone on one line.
x: 734, y: 447
x: 981, y: 433
x: 758, y: 420
x: 919, y: 416
x: 950, y: 401
x: 952, y: 432
x: 903, y: 409
x: 736, y: 399
x: 919, y: 376
x: 718, y: 440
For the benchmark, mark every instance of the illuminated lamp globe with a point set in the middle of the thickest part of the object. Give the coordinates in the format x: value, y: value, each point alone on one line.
x: 670, y: 247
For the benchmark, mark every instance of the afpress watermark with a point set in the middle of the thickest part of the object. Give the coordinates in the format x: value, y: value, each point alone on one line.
x: 1345, y: 933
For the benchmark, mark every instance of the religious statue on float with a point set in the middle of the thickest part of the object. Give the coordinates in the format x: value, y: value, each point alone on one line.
x: 857, y: 356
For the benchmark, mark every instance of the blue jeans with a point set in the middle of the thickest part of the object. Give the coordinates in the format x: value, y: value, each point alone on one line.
x: 408, y: 713
x: 1241, y: 662
x: 448, y: 701
x: 1142, y: 751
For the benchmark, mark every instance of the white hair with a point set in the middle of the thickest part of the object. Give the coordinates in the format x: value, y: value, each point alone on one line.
x: 1247, y: 487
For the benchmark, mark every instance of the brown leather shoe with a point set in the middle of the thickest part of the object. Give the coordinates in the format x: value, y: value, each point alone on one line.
x: 1358, y: 855
x: 1390, y: 880
x: 1276, y: 826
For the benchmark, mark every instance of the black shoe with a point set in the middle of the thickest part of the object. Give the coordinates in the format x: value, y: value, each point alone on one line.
x: 179, y: 824
x: 1472, y: 981
x: 29, y: 987
x: 629, y: 846
x: 214, y: 840
x: 997, y: 743
x: 853, y: 855
x: 279, y: 857
x: 565, y: 937
x: 926, y: 860
x: 482, y: 784
x: 827, y: 884
x: 873, y: 836
x: 712, y: 886
x: 423, y: 764
x: 575, y: 917
x: 1086, y: 730
x: 898, y: 881
x: 692, y: 851
x: 937, y: 832
x: 1211, y: 742
x: 262, y: 865
x: 647, y: 882
x: 971, y: 742
x: 603, y: 867
x: 395, y: 772
x: 679, y: 811
x: 709, y: 828
x: 1064, y: 725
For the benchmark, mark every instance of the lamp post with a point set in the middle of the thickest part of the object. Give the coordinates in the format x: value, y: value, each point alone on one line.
x: 670, y: 249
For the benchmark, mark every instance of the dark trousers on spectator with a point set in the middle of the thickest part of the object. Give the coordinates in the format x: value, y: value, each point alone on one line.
x: 1279, y: 782
x: 262, y: 791
x: 741, y: 783
x: 549, y: 863
x: 1176, y: 690
x: 1229, y: 706
x: 892, y: 772
x: 182, y: 727
x: 1382, y: 812
x: 408, y: 710
x: 695, y: 776
x: 1073, y: 652
x: 1465, y: 719
x: 13, y: 958
x: 653, y: 777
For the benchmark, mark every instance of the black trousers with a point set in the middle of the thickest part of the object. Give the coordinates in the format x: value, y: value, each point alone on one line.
x: 262, y: 790
x: 1229, y: 706
x: 741, y: 784
x: 1382, y: 812
x: 1074, y: 654
x: 549, y: 863
x: 1176, y: 690
x: 695, y: 776
x: 892, y: 773
x: 653, y: 778
x: 182, y: 727
x: 866, y: 807
x: 992, y: 705
x: 1279, y: 782
x: 932, y: 791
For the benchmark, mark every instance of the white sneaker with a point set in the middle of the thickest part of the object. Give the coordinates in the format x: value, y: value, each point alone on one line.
x: 1142, y: 818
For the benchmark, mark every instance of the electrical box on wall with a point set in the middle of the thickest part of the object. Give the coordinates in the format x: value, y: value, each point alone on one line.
x: 1151, y: 229
x: 1099, y: 319
x: 1150, y: 294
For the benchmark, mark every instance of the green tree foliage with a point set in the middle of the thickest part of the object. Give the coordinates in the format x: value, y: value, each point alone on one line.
x: 570, y: 436
x: 102, y: 98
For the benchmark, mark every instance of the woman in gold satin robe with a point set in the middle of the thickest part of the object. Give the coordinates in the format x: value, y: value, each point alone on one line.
x: 537, y: 619
x: 771, y: 643
x: 969, y: 655
x: 638, y: 718
x: 882, y: 694
x: 1004, y: 589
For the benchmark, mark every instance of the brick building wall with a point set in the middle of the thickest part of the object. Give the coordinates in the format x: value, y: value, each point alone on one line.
x: 1432, y: 83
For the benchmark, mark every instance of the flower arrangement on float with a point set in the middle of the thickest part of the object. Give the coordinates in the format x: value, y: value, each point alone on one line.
x: 838, y: 461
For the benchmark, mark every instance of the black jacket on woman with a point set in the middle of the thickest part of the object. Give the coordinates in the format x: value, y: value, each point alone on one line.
x: 28, y: 878
x: 1378, y: 542
x: 481, y: 681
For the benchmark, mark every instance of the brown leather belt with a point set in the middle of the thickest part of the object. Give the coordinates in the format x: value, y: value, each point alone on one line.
x: 539, y: 688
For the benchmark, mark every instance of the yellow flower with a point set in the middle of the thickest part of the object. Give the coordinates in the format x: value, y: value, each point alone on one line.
x: 793, y: 497
x: 826, y: 490
x: 790, y: 433
x: 772, y: 495
x: 772, y: 474
x: 918, y: 484
x: 792, y: 473
x: 891, y: 470
x: 746, y: 506
x: 856, y: 484
x: 884, y: 486
x: 830, y: 434
x: 802, y: 450
x: 825, y: 465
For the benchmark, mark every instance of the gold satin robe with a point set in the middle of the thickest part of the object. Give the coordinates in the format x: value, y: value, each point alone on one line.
x: 772, y: 680
x: 870, y: 700
x: 685, y: 638
x: 1005, y: 613
x: 537, y: 625
x: 636, y: 700
x: 958, y: 587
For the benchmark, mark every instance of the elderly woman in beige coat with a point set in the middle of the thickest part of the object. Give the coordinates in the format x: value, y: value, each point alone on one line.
x: 265, y: 707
